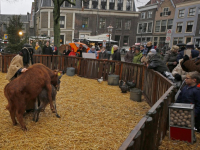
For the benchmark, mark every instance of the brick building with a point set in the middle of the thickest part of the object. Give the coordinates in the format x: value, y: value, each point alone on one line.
x: 97, y: 15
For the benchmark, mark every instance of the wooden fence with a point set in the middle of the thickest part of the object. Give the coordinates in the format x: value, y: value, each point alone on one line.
x: 158, y: 91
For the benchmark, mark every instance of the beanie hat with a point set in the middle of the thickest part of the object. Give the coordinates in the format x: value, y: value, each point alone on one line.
x: 153, y: 51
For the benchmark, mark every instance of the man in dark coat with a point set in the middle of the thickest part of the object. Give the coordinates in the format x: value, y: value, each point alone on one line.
x: 104, y: 54
x: 130, y: 54
x: 47, y: 50
x: 116, y: 55
x: 155, y: 63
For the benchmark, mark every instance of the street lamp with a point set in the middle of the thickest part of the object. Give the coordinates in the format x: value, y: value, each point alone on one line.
x: 109, y: 31
x: 20, y: 33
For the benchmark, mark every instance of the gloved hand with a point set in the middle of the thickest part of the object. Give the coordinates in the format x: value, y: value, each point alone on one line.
x: 185, y: 58
x: 178, y: 77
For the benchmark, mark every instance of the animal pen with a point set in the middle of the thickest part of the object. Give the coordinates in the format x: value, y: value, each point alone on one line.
x: 158, y: 91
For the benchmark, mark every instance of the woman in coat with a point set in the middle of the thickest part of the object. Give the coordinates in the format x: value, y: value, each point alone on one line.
x: 171, y: 57
x: 67, y: 50
x: 38, y: 49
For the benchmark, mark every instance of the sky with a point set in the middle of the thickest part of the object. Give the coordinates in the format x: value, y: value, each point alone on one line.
x: 24, y: 6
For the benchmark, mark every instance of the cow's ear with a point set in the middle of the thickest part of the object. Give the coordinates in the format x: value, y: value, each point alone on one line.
x: 56, y: 73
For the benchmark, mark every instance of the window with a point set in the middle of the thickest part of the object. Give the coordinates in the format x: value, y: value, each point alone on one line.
x: 163, y: 25
x: 126, y: 41
x: 149, y: 27
x: 143, y: 15
x: 181, y: 13
x: 112, y: 4
x: 128, y: 5
x: 61, y: 39
x: 175, y: 41
x: 170, y: 24
x: 62, y: 21
x: 188, y: 39
x: 189, y: 26
x: 179, y: 27
x: 165, y: 11
x: 191, y: 12
x: 102, y: 23
x: 138, y: 40
x: 117, y: 38
x: 145, y: 27
x: 180, y: 40
x: 139, y: 28
x: 127, y: 24
x: 157, y: 28
x: 155, y: 41
x: 84, y: 22
x: 148, y: 39
x: 149, y: 14
x: 162, y: 41
x: 118, y: 23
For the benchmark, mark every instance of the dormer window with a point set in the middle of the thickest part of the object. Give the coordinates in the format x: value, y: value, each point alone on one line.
x: 165, y: 12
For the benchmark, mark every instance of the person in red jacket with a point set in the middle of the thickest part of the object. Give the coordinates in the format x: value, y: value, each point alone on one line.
x: 72, y: 53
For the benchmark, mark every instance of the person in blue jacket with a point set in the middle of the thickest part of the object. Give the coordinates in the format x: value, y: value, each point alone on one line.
x: 189, y: 46
x: 190, y: 94
x: 93, y: 50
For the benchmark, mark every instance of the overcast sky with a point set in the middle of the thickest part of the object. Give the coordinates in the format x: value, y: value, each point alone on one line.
x: 24, y: 6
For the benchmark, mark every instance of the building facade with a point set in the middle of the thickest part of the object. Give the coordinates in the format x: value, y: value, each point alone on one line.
x: 186, y: 25
x: 90, y: 18
x: 146, y: 23
x: 163, y: 21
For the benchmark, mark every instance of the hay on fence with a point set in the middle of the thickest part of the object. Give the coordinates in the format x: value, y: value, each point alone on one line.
x: 93, y: 116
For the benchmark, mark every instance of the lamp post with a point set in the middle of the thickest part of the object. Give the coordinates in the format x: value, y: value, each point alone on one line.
x: 20, y: 33
x: 109, y: 31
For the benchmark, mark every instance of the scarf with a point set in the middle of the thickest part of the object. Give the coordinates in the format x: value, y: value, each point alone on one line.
x: 36, y: 47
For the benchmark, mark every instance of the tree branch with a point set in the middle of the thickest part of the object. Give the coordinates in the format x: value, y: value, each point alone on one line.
x: 73, y: 3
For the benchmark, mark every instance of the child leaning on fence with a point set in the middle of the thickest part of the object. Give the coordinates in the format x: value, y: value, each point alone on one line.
x: 191, y: 94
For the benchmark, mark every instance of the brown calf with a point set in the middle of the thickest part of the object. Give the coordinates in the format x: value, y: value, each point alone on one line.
x: 25, y: 88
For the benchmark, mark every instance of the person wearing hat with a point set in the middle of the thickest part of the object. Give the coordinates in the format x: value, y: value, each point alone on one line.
x: 138, y: 56
x: 130, y: 54
x: 170, y: 57
x: 189, y: 47
x: 93, y: 50
x: 20, y: 62
x: 154, y: 62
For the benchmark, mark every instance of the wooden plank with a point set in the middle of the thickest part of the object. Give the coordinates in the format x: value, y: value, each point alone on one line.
x: 5, y: 64
x: 132, y: 135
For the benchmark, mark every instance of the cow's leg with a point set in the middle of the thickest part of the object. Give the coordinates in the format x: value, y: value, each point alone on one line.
x: 12, y: 115
x: 37, y: 112
x: 54, y: 103
x: 49, y: 89
x: 19, y: 115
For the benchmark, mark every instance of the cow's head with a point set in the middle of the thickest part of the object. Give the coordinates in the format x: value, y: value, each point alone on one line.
x: 58, y: 75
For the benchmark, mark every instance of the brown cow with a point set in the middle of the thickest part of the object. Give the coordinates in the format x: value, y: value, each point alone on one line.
x: 25, y: 89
